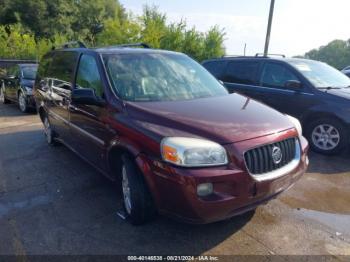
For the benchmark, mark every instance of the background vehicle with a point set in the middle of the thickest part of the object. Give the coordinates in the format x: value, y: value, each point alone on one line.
x: 315, y: 93
x: 346, y: 72
x: 17, y: 86
x: 169, y: 132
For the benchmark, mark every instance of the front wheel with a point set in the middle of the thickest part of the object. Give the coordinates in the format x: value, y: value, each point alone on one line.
x: 138, y: 202
x: 22, y: 102
x: 3, y: 99
x: 327, y: 136
x: 49, y: 133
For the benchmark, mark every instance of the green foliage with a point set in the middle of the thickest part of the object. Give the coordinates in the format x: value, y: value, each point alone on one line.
x: 118, y: 31
x: 336, y: 53
x: 20, y: 44
x: 29, y: 28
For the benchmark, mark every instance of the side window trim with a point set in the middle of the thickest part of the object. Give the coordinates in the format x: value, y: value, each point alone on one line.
x: 261, y: 72
x: 219, y: 63
x: 18, y: 71
x: 74, y: 82
x: 255, y: 76
x: 52, y: 66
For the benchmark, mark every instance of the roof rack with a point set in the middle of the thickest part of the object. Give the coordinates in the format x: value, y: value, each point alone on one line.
x: 263, y: 55
x: 74, y: 43
x: 134, y: 45
x: 230, y: 56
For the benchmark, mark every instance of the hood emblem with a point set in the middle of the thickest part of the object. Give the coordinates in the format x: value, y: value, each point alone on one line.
x: 276, y: 155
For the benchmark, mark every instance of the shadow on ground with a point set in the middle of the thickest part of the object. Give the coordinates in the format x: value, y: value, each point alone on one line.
x: 51, y: 202
x: 12, y: 110
x: 331, y: 165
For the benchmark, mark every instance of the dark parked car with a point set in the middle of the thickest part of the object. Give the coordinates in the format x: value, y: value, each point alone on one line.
x: 167, y: 132
x: 314, y: 92
x: 17, y: 86
x: 347, y: 68
x: 346, y: 72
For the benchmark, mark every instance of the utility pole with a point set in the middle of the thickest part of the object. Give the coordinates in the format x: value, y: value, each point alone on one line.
x: 268, y: 33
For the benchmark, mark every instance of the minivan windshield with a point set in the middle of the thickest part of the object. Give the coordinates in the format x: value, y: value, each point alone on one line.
x: 160, y: 77
x: 29, y: 72
x: 320, y: 74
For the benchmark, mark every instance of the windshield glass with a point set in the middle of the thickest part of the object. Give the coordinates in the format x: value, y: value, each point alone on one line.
x: 320, y: 74
x: 160, y: 77
x: 29, y: 72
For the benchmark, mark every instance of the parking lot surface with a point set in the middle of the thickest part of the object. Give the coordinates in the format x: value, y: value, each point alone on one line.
x: 51, y: 202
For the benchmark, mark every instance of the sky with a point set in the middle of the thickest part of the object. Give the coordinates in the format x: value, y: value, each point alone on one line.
x: 298, y: 25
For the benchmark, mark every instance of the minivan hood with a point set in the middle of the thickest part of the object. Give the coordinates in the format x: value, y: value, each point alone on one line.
x: 224, y: 119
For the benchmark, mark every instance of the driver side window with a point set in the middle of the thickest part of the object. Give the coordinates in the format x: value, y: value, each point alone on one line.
x: 88, y: 75
x: 276, y: 75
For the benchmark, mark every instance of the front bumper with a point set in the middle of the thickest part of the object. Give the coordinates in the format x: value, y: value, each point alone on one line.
x: 235, y: 191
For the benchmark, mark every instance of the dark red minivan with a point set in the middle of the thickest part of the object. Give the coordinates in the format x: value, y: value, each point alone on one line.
x: 167, y: 132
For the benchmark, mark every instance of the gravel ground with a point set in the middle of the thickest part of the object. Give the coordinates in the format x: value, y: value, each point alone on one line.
x: 51, y: 202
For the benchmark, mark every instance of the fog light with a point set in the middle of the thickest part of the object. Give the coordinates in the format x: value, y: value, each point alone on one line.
x: 204, y: 189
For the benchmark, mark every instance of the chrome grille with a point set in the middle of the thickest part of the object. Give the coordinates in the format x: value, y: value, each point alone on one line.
x: 260, y: 160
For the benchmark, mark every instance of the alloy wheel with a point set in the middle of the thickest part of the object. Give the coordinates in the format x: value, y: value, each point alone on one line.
x: 47, y: 130
x: 126, y: 190
x: 2, y: 95
x: 325, y: 137
x: 22, y: 102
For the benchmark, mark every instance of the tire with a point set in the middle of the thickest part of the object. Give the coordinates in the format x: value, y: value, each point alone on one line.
x: 137, y: 199
x: 22, y: 102
x: 49, y: 133
x: 3, y: 99
x: 327, y: 136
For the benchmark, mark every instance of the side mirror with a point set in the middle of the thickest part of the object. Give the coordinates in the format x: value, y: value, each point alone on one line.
x: 295, y: 84
x: 86, y: 96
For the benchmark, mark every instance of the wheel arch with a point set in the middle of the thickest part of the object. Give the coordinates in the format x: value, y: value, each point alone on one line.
x: 114, y: 160
x: 117, y: 148
x: 309, y: 118
x: 19, y: 90
x: 42, y: 113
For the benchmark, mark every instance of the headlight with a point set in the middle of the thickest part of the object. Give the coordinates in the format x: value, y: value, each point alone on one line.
x: 29, y: 90
x: 297, y: 124
x: 192, y: 152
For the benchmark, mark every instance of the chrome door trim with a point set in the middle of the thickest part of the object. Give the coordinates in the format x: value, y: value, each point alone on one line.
x: 273, y: 88
x: 80, y: 130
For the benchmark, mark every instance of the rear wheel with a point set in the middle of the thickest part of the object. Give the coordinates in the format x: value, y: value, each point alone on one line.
x: 22, y: 102
x: 49, y: 133
x: 138, y: 202
x: 327, y: 136
x: 3, y: 99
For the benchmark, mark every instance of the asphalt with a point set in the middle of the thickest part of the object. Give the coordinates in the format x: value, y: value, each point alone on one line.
x: 51, y: 202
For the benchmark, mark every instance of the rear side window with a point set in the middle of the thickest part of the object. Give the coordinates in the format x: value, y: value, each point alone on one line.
x: 14, y: 71
x: 276, y: 75
x: 216, y: 68
x: 88, y: 75
x: 241, y: 72
x: 44, y: 65
x: 62, y: 69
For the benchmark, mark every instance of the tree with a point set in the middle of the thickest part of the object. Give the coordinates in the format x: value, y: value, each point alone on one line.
x: 29, y: 28
x: 336, y: 53
x: 153, y: 26
x: 91, y: 15
x: 117, y: 31
x: 213, y: 43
